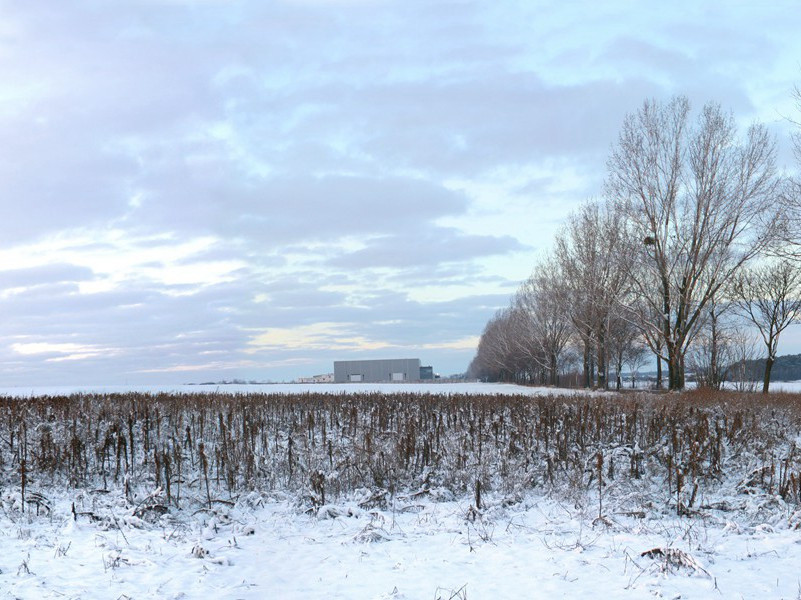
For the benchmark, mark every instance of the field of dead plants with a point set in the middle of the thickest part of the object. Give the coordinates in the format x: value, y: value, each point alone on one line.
x: 637, y: 453
x: 399, y: 495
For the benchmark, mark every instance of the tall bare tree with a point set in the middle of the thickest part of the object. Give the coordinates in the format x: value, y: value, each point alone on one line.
x: 495, y: 358
x: 624, y: 343
x: 698, y: 204
x: 713, y: 351
x: 636, y: 356
x: 745, y: 351
x: 791, y: 193
x: 770, y: 296
x: 542, y: 300
x: 589, y: 252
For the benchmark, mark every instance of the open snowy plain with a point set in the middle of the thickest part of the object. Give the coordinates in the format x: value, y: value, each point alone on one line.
x: 417, y: 548
x: 740, y: 538
x: 287, y: 388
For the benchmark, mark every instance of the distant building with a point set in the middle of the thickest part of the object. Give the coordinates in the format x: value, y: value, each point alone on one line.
x: 426, y: 373
x: 379, y: 371
x: 325, y: 378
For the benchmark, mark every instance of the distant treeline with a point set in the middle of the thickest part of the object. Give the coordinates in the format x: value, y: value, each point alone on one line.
x: 786, y: 368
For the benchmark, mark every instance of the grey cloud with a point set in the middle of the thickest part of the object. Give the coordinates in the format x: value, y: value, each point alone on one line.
x: 296, y: 299
x: 448, y: 275
x: 277, y: 211
x: 630, y: 50
x: 45, y: 274
x: 457, y: 125
x: 702, y: 81
x: 137, y: 116
x: 426, y: 246
x: 154, y: 331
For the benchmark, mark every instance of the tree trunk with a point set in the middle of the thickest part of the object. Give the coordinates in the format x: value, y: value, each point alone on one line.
x: 716, y: 376
x: 768, y: 366
x: 587, y: 366
x: 676, y: 373
x: 602, y: 367
x: 658, y: 372
x: 675, y: 370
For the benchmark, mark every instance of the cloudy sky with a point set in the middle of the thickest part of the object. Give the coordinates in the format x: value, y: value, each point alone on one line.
x: 209, y: 189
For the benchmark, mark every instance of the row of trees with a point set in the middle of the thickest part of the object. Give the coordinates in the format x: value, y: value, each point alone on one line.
x: 695, y: 229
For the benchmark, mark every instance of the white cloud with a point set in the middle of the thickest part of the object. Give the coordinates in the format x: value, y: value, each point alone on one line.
x: 59, y: 352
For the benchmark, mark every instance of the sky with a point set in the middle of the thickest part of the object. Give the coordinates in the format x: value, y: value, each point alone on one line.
x: 212, y: 189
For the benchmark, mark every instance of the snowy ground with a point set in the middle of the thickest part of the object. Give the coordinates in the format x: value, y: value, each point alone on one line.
x: 329, y: 388
x: 271, y: 548
x: 782, y: 386
x: 737, y: 541
x: 292, y: 388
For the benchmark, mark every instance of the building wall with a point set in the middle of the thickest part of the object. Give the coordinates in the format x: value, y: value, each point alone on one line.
x: 324, y: 378
x: 377, y: 371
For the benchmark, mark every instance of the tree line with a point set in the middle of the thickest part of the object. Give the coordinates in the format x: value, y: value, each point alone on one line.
x: 694, y: 236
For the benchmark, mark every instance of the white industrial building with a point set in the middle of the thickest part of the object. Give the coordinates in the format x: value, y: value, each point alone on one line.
x: 379, y: 371
x: 324, y: 378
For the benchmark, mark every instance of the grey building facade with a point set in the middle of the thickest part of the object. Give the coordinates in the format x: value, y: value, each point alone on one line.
x: 377, y: 371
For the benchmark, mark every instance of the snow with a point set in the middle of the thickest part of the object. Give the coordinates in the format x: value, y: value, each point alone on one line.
x: 782, y: 386
x: 738, y: 541
x: 329, y: 388
x: 291, y: 388
x: 416, y: 547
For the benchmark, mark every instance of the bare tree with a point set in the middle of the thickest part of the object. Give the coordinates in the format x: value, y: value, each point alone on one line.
x: 624, y: 342
x: 526, y: 357
x: 635, y: 358
x: 770, y: 296
x: 791, y: 193
x: 744, y: 351
x: 698, y: 207
x: 713, y: 351
x: 495, y: 356
x: 589, y: 252
x: 541, y: 299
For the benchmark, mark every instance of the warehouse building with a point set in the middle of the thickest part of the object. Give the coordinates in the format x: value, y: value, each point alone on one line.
x: 380, y: 371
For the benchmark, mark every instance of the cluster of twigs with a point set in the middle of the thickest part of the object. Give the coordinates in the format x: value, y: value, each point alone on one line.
x: 213, y: 447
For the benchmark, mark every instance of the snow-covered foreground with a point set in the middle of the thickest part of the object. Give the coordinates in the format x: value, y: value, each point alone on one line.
x: 291, y: 388
x: 416, y: 547
x: 220, y: 496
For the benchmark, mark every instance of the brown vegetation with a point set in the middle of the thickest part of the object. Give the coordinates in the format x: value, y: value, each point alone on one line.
x: 205, y: 449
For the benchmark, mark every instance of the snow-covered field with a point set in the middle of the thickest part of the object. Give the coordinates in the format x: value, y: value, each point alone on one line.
x: 374, y: 497
x: 289, y: 388
x: 329, y: 388
x: 783, y: 386
x: 325, y: 388
x: 413, y: 548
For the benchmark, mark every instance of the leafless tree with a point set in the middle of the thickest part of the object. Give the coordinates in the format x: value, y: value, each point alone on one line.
x: 699, y: 206
x: 713, y: 350
x: 791, y: 193
x: 643, y: 312
x: 769, y: 296
x: 589, y: 254
x: 635, y: 358
x: 541, y: 300
x: 495, y: 359
x: 526, y: 357
x: 624, y: 342
x: 745, y: 352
